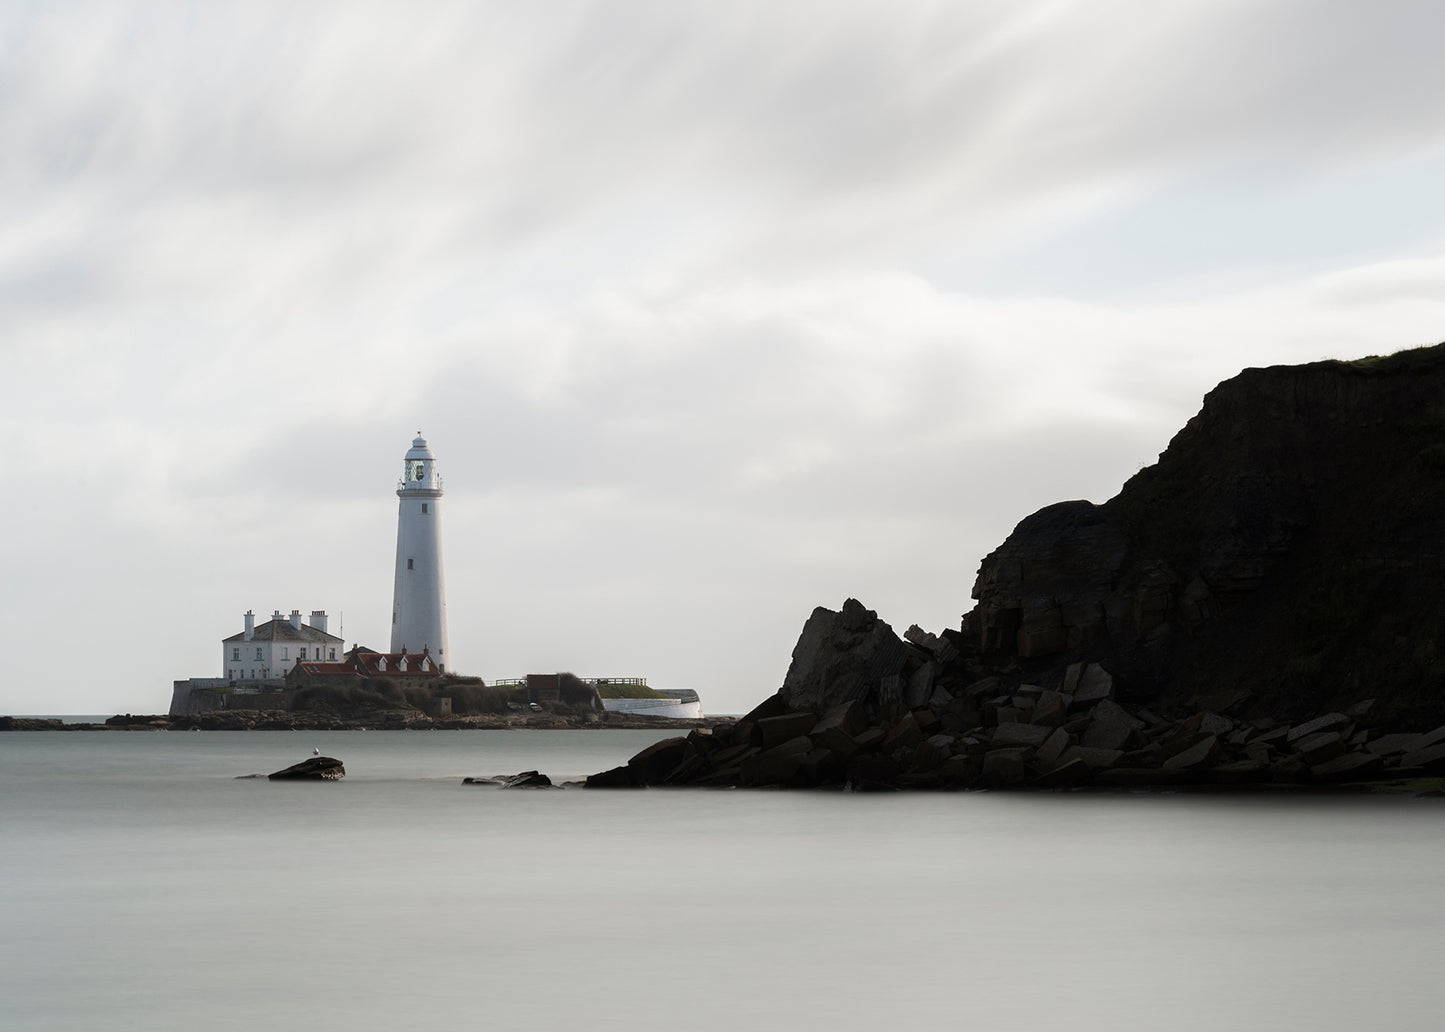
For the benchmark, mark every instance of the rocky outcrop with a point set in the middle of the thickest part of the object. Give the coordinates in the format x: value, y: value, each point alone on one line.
x: 1288, y: 542
x: 845, y: 656
x: 528, y: 779
x: 315, y: 768
x: 991, y: 734
x: 1215, y: 623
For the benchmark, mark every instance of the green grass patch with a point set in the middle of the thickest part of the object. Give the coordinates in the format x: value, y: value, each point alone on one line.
x: 628, y: 691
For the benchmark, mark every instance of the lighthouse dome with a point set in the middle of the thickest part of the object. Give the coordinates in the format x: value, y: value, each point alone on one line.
x: 419, y: 449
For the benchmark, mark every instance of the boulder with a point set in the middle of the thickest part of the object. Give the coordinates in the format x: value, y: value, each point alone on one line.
x: 1393, y: 745
x: 1200, y: 754
x: 528, y: 779
x: 777, y: 730
x: 920, y: 686
x: 1112, y: 727
x: 1094, y: 684
x: 1317, y: 748
x: 820, y: 767
x: 960, y: 769
x: 1214, y: 724
x: 1097, y: 759
x: 1053, y: 747
x: 1328, y: 722
x: 903, y: 735
x: 1012, y: 734
x: 1065, y: 775
x: 927, y: 721
x: 314, y: 768
x: 1350, y: 767
x: 652, y: 765
x: 850, y: 717
x: 930, y: 754
x: 870, y: 771
x: 1004, y: 767
x: 836, y: 740
x: 844, y: 656
x: 774, y: 705
x: 1051, y: 709
x: 777, y: 765
x: 617, y: 777
x: 1430, y: 760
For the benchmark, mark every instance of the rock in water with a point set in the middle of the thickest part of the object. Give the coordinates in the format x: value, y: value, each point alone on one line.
x: 528, y: 779
x: 315, y: 768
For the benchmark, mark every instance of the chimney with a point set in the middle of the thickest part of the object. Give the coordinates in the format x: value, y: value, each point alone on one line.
x: 296, y: 619
x: 318, y: 620
x: 250, y: 625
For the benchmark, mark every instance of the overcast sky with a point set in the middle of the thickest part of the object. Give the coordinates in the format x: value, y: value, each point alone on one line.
x: 712, y: 313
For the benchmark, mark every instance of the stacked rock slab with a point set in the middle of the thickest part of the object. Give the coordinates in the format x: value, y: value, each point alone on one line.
x: 834, y: 723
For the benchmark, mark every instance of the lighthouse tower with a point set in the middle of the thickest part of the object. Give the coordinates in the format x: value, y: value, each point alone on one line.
x: 419, y: 602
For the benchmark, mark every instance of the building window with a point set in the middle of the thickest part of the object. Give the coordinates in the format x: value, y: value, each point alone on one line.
x: 236, y: 652
x: 303, y: 653
x: 258, y: 653
x: 332, y: 657
x: 409, y: 563
x: 423, y: 508
x: 286, y: 653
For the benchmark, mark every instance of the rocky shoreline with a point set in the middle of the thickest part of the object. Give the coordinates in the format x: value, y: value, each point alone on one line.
x: 993, y: 734
x: 377, y: 720
x: 1259, y: 608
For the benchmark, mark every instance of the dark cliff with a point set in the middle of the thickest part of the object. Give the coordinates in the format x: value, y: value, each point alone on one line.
x: 1263, y: 606
x: 1289, y: 542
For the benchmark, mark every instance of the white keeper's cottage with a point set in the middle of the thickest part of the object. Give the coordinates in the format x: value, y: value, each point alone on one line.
x: 268, y: 652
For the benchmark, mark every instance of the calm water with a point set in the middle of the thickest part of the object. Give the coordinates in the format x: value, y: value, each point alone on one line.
x: 143, y: 887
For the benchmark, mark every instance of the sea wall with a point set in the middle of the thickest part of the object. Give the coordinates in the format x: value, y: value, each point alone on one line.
x: 671, y: 708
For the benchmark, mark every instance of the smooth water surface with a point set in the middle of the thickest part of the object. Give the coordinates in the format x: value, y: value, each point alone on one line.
x: 143, y: 887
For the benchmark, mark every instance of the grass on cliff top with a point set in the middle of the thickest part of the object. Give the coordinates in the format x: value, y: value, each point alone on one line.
x: 1426, y: 357
x: 628, y: 691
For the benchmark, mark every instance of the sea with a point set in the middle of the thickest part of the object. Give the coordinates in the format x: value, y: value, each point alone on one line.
x: 146, y: 884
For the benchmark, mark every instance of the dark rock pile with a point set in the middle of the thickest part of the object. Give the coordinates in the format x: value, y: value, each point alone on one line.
x: 1218, y: 621
x: 861, y: 709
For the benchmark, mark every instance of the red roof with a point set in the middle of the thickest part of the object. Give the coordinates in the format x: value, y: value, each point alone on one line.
x: 384, y: 663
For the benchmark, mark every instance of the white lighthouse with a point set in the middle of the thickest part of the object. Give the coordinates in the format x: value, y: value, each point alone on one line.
x: 419, y: 602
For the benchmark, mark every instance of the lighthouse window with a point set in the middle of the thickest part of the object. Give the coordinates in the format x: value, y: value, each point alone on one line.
x: 409, y: 564
x: 423, y: 508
